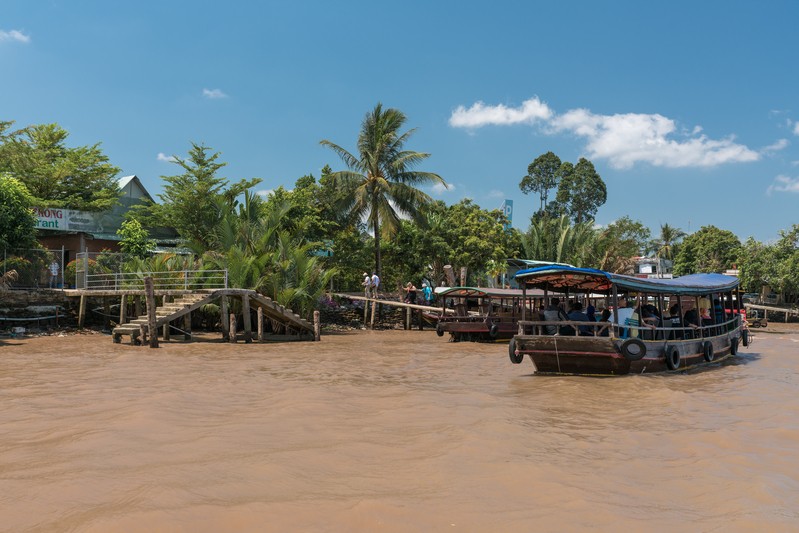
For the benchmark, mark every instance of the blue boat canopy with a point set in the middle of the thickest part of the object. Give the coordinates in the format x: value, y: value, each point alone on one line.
x: 590, y: 279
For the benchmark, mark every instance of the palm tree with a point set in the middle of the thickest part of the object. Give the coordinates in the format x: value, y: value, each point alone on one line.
x: 380, y: 183
x: 665, y: 244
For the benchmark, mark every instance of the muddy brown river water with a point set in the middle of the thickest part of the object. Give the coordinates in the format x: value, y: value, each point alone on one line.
x: 388, y: 431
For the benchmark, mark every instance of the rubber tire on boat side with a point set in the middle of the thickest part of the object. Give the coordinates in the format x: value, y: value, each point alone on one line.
x: 493, y: 331
x: 439, y: 330
x: 672, y: 358
x: 734, y: 346
x: 707, y: 351
x: 514, y: 357
x: 745, y: 338
x: 633, y: 349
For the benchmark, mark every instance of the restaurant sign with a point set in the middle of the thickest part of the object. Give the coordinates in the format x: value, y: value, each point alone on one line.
x: 67, y: 220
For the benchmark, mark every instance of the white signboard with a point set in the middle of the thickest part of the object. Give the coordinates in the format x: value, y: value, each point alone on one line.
x: 67, y: 220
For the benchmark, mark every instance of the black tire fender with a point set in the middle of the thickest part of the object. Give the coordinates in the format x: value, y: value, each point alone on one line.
x: 734, y: 346
x: 515, y: 357
x: 633, y: 349
x: 707, y: 351
x: 439, y: 330
x: 493, y: 331
x: 672, y: 358
x: 745, y: 338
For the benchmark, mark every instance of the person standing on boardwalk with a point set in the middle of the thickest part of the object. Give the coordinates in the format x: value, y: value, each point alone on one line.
x: 375, y: 284
x: 367, y: 285
x: 410, y: 293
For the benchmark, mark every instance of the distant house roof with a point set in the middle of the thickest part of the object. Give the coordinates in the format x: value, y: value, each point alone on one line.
x: 132, y: 190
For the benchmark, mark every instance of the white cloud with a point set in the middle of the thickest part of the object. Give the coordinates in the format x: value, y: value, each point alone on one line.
x: 214, y: 94
x: 163, y: 157
x: 784, y: 184
x: 626, y: 139
x: 14, y: 35
x: 264, y: 192
x: 622, y: 139
x: 775, y: 147
x: 440, y: 188
x: 796, y: 128
x: 480, y: 114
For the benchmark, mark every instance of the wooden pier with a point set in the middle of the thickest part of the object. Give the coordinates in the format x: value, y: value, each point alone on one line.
x: 409, y: 308
x: 177, y: 306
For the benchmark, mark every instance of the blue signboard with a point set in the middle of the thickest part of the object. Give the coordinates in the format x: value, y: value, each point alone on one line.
x: 507, y: 208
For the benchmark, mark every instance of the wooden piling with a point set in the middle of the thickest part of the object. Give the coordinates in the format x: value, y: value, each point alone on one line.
x: 187, y: 326
x: 245, y: 309
x: 123, y: 309
x: 260, y: 319
x: 317, y: 326
x: 374, y: 309
x: 224, y: 318
x: 149, y: 294
x: 233, y: 328
x: 82, y: 311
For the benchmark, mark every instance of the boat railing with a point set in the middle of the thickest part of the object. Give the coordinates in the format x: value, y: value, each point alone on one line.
x: 644, y: 332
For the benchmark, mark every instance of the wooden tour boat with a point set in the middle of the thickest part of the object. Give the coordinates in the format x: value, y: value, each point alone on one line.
x: 482, y: 313
x: 627, y: 343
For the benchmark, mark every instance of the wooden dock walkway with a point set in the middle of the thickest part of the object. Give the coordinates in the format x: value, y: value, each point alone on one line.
x: 169, y: 312
x: 771, y: 309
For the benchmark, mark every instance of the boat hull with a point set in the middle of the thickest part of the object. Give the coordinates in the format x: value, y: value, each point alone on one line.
x: 477, y: 328
x: 603, y: 356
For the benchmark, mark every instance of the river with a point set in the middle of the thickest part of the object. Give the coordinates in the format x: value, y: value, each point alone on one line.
x: 388, y: 431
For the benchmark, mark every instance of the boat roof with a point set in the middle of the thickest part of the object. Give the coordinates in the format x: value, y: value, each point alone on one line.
x: 479, y: 292
x: 560, y: 277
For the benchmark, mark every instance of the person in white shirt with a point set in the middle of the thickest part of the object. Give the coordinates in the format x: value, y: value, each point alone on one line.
x: 375, y: 284
x: 622, y: 313
x: 367, y: 285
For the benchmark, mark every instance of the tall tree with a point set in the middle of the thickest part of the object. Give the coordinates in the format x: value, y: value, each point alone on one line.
x: 665, y: 244
x: 381, y: 184
x: 17, y: 221
x: 193, y: 201
x: 708, y: 250
x: 543, y: 175
x: 79, y: 178
x: 618, y: 243
x: 581, y: 191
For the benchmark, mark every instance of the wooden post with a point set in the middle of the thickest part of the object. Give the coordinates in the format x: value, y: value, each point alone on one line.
x: 233, y: 328
x: 374, y: 308
x: 421, y: 320
x: 82, y: 311
x: 142, y: 334
x: 149, y: 294
x: 261, y: 336
x: 187, y: 326
x: 224, y: 319
x: 166, y: 334
x: 317, y: 326
x: 450, y: 275
x: 137, y: 306
x: 245, y: 310
x: 123, y: 309
x: 365, y: 312
x: 407, y: 318
x: 463, y: 276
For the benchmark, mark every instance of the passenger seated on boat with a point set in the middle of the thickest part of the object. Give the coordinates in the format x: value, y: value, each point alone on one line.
x: 691, y: 319
x: 604, y: 331
x: 576, y: 314
x: 461, y: 310
x: 622, y: 314
x: 674, y: 321
x: 553, y: 313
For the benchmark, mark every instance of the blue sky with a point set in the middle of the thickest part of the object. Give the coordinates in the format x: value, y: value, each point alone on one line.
x: 688, y: 110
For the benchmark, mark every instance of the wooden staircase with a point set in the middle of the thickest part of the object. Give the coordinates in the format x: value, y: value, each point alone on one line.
x: 187, y: 303
x: 164, y: 314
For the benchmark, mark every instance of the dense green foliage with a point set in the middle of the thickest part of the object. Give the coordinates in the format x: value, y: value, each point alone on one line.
x: 773, y: 265
x: 135, y: 240
x: 708, y: 250
x: 194, y: 201
x: 79, y: 178
x: 16, y: 217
